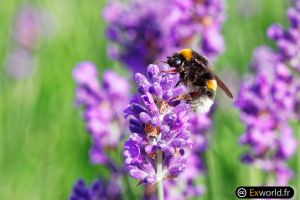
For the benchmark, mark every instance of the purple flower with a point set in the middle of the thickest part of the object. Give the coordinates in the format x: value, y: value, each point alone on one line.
x: 268, y: 103
x: 149, y: 120
x: 103, y: 111
x: 157, y: 29
x: 183, y: 188
x: 288, y: 40
x: 20, y: 63
x: 100, y: 189
x: 201, y: 123
x: 159, y: 139
x: 187, y: 186
x: 31, y: 25
x: 104, y: 104
x: 288, y: 43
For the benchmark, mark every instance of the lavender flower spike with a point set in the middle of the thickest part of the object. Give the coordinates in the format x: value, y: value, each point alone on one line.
x: 159, y: 129
x: 100, y: 189
x: 269, y: 102
x: 103, y: 105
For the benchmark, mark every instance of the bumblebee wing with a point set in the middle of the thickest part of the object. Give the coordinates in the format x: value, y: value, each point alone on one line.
x: 222, y: 85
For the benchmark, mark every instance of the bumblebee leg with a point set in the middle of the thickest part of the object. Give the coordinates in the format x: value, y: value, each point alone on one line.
x: 190, y: 96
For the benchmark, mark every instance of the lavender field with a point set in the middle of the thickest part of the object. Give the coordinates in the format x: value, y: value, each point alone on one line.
x: 91, y: 109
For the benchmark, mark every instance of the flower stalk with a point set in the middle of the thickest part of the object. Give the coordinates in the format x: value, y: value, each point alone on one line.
x: 160, y: 184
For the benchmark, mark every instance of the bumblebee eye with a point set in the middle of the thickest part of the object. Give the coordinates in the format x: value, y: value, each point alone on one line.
x: 177, y: 62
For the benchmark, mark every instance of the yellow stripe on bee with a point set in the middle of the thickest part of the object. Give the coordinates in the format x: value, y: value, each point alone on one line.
x: 212, y: 84
x: 187, y: 54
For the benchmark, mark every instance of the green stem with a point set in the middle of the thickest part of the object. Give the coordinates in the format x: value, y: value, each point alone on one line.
x: 297, y: 127
x: 128, y: 188
x: 160, y: 185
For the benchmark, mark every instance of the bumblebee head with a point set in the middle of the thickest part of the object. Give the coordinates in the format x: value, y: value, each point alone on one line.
x: 186, y: 58
x: 193, y: 58
x: 176, y: 61
x: 179, y: 59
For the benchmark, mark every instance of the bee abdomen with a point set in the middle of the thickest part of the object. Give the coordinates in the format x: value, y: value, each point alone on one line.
x: 203, y: 104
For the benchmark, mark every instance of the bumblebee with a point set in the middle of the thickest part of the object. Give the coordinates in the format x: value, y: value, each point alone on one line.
x: 195, y: 74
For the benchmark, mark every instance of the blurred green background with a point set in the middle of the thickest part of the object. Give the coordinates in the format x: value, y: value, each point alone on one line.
x: 43, y: 141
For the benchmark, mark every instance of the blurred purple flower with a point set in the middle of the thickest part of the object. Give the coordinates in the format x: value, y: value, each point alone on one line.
x: 288, y: 43
x: 157, y: 29
x: 288, y: 40
x: 159, y: 124
x: 268, y: 102
x: 98, y: 190
x: 20, y: 63
x: 200, y: 125
x: 186, y: 186
x: 104, y: 104
x: 31, y: 24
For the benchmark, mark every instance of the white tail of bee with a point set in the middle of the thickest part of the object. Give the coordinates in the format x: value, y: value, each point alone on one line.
x: 203, y: 105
